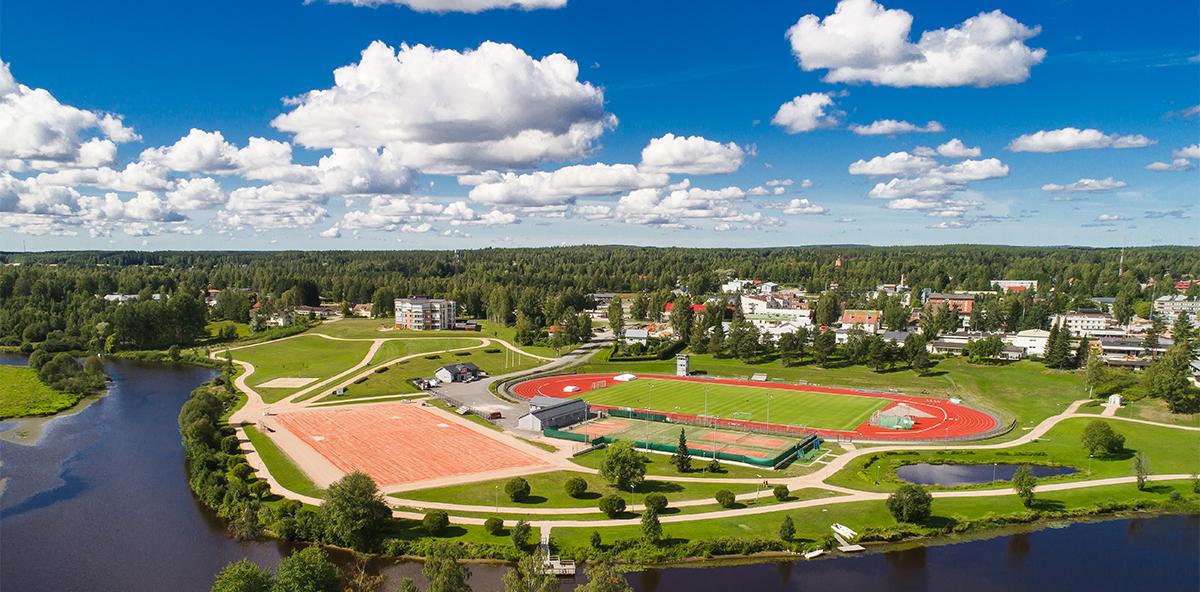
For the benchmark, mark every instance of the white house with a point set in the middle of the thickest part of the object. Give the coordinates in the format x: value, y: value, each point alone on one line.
x: 735, y: 285
x: 465, y: 372
x: 1032, y: 340
x: 1172, y: 305
x: 636, y: 336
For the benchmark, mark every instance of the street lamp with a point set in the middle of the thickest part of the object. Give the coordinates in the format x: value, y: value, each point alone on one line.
x: 757, y: 488
x: 497, y: 498
x: 993, y: 472
x: 1090, y: 457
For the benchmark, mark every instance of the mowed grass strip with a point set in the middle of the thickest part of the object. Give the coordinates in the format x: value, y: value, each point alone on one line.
x: 22, y: 393
x: 809, y: 409
x: 397, y: 379
x: 398, y: 348
x: 281, y: 466
x: 304, y: 356
x: 547, y: 491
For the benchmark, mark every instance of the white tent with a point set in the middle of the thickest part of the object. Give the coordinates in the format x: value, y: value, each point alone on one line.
x: 571, y: 389
x: 624, y: 377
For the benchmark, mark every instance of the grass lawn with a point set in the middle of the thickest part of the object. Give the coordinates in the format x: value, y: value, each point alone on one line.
x: 1156, y: 410
x: 305, y: 356
x: 281, y: 466
x: 547, y: 491
x: 595, y: 514
x: 397, y: 379
x: 820, y: 410
x: 214, y: 328
x: 660, y: 465
x: 398, y: 348
x: 22, y: 393
x: 358, y: 328
x: 1024, y: 389
x: 812, y: 524
x: 509, y: 334
x: 1167, y: 450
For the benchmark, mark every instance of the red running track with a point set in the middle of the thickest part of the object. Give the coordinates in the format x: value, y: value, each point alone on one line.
x: 949, y: 421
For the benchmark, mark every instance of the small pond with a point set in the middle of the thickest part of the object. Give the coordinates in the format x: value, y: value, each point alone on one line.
x: 949, y: 475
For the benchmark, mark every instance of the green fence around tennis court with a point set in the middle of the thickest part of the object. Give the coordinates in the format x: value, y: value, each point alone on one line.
x: 642, y: 415
x: 779, y: 461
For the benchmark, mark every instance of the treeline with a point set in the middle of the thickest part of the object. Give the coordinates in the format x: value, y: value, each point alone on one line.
x: 63, y: 373
x: 55, y: 299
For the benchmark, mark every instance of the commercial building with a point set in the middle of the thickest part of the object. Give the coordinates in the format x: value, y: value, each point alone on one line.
x: 425, y: 314
x: 549, y: 412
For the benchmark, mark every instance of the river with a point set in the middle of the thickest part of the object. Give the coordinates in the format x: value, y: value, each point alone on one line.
x: 101, y: 503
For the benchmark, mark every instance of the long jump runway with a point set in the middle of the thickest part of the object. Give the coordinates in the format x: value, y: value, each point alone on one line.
x: 399, y: 443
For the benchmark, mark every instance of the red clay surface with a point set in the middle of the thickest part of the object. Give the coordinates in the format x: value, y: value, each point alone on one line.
x: 748, y: 440
x: 401, y: 443
x: 602, y: 428
x: 949, y: 421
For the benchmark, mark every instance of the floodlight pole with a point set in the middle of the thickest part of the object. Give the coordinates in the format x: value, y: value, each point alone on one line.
x: 768, y: 407
x: 497, y: 498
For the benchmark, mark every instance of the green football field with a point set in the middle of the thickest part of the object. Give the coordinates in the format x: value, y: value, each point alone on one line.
x: 800, y: 408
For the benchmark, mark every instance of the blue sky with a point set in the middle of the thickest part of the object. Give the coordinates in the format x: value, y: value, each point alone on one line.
x: 477, y: 139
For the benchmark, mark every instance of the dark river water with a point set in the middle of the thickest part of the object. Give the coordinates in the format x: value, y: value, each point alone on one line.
x: 101, y: 503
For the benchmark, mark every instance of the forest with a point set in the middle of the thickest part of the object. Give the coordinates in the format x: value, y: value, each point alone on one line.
x: 54, y: 299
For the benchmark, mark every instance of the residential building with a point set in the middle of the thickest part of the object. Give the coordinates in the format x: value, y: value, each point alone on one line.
x: 364, y: 310
x: 959, y: 302
x: 1183, y: 285
x: 869, y: 320
x: 321, y: 312
x: 1174, y: 304
x: 1118, y: 346
x: 1015, y: 285
x: 1080, y: 324
x: 767, y: 287
x: 640, y: 336
x: 901, y: 290
x: 425, y: 314
x: 465, y: 372
x: 734, y: 286
x: 1033, y: 341
x: 549, y: 412
x: 602, y: 299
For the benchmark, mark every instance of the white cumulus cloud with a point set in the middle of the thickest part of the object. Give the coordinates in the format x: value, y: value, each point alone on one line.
x: 453, y: 112
x: 560, y: 186
x: 1086, y: 186
x: 805, y: 113
x: 1070, y: 138
x: 891, y: 127
x: 693, y: 155
x: 864, y: 42
x: 956, y: 149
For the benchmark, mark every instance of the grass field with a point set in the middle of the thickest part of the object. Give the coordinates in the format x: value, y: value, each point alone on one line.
x: 1167, y: 450
x: 396, y: 380
x: 214, y: 328
x: 819, y: 410
x: 398, y: 348
x: 281, y: 466
x: 305, y: 356
x: 813, y: 523
x: 22, y: 393
x: 1024, y: 389
x: 547, y: 491
x: 509, y: 333
x: 659, y: 465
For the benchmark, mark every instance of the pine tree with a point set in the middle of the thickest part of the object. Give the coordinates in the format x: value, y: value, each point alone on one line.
x: 1081, y: 352
x: 682, y: 459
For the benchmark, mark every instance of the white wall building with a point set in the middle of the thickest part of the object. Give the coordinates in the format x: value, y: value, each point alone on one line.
x: 1079, y: 324
x: 1033, y: 340
x: 425, y: 314
x: 1018, y: 285
x: 1172, y: 305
